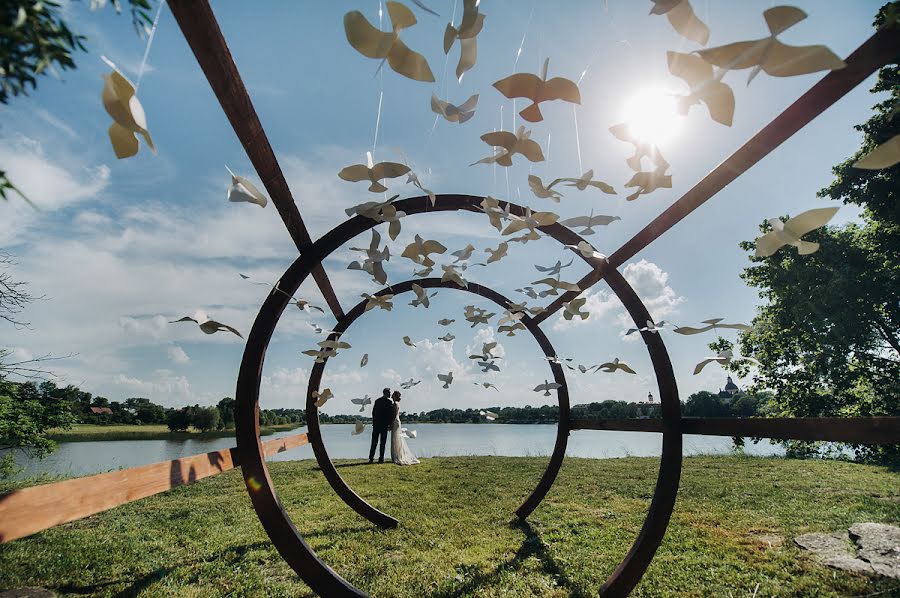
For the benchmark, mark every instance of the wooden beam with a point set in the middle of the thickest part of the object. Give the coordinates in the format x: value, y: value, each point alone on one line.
x: 860, y: 430
x: 31, y: 510
x: 201, y: 30
x: 877, y: 51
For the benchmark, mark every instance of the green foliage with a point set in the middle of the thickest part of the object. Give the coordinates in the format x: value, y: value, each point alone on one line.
x: 828, y: 336
x: 205, y: 418
x: 179, y: 419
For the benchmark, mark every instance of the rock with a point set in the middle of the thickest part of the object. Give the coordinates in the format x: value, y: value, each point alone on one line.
x: 27, y: 593
x: 833, y: 550
x: 879, y: 544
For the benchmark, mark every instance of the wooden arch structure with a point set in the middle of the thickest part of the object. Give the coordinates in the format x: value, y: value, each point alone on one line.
x: 199, y: 26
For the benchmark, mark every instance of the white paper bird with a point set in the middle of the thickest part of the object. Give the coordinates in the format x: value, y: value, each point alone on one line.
x: 487, y: 352
x: 572, y: 309
x: 358, y: 428
x: 366, y: 400
x: 497, y: 254
x: 551, y: 270
x: 508, y: 144
x: 496, y: 215
x: 321, y: 355
x: 128, y: 116
x: 642, y: 149
x: 529, y: 291
x: 882, y: 156
x: 322, y: 396
x: 611, y: 366
x: 463, y: 254
x: 510, y: 329
x: 488, y: 415
x: 556, y: 285
x: 467, y: 32
x: 374, y: 43
x: 422, y: 297
x: 381, y: 301
x: 243, y: 190
x: 413, y: 178
x: 419, y: 251
x: 209, y: 326
x: 584, y: 369
x: 538, y: 89
x: 586, y: 180
x: 446, y: 338
x: 723, y: 358
x: 445, y: 321
x: 408, y: 342
x: 407, y: 433
x: 334, y: 345
x: 546, y: 387
x: 704, y: 87
x: 790, y: 232
x: 587, y: 250
x: 451, y: 274
x: 682, y: 18
x: 319, y: 330
x: 447, y: 379
x: 648, y: 182
x: 409, y: 384
x: 557, y: 360
x: 374, y: 174
x: 477, y: 315
x: 531, y: 221
x: 306, y: 306
x: 650, y: 327
x: 374, y: 258
x: 380, y: 211
x: 510, y: 316
x: 587, y: 223
x: 454, y: 114
x: 770, y: 55
x: 541, y: 191
x: 485, y: 385
x: 711, y: 324
x: 488, y: 366
x: 364, y: 361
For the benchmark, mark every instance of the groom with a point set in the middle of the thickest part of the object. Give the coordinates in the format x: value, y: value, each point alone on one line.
x: 382, y: 414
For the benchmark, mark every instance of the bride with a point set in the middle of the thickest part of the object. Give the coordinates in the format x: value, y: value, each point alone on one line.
x: 400, y: 453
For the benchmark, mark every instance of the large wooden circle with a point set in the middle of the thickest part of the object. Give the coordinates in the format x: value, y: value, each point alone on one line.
x: 278, y: 524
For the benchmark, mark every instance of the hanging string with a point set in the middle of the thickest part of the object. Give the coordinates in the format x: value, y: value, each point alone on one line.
x: 147, y: 47
x: 443, y: 79
x: 377, y: 121
x: 577, y: 138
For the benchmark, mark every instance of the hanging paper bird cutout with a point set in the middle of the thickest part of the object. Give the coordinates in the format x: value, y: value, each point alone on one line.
x: 209, y: 326
x: 380, y: 211
x: 642, y: 149
x: 409, y: 384
x: 366, y: 400
x: 419, y: 250
x: 510, y: 329
x: 611, y: 366
x: 682, y: 18
x: 488, y: 415
x: 374, y: 43
x: 446, y: 338
x: 358, y: 428
x: 723, y: 358
x: 486, y: 385
x: 546, y: 387
x: 882, y: 156
x: 422, y: 297
x: 407, y: 433
x: 451, y: 274
x: 445, y: 322
x: 509, y: 144
x: 706, y: 88
x: 319, y: 330
x: 497, y: 254
x: 477, y: 315
x: 711, y: 324
x: 322, y: 397
x: 495, y: 213
x: 447, y: 379
x: 531, y: 221
x: 587, y: 223
x: 538, y: 89
x: 486, y: 352
x: 648, y: 182
x: 381, y: 301
x: 364, y: 361
x: 373, y: 174
x: 572, y: 309
x: 584, y: 181
x: 556, y: 285
x: 772, y: 56
x: 469, y: 28
x: 128, y: 116
x: 408, y: 342
x: 542, y: 192
x: 321, y: 355
x: 487, y: 366
x: 587, y: 250
x: 454, y: 114
x: 243, y: 190
x: 790, y: 232
x: 306, y: 306
x: 550, y: 271
x: 463, y: 254
x: 374, y: 258
x: 650, y: 327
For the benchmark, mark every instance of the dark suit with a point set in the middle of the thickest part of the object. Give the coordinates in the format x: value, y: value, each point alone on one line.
x: 382, y: 414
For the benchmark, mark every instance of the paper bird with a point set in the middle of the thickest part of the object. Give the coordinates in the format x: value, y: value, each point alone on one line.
x: 611, y: 366
x: 589, y: 222
x: 883, y: 156
x: 510, y: 316
x: 510, y: 329
x: 772, y: 56
x: 445, y: 321
x: 642, y: 149
x: 446, y: 338
x: 419, y: 250
x: 374, y: 258
x: 531, y: 221
x: 409, y: 384
x: 463, y: 254
x: 648, y: 182
x: 497, y: 254
x: 321, y: 355
x: 650, y: 327
x: 572, y: 309
x: 723, y: 358
x: 488, y: 415
x: 542, y: 192
x: 373, y: 174
x: 382, y: 301
x: 585, y: 369
x: 306, y: 306
x: 209, y: 326
x: 790, y: 232
x: 706, y: 88
x: 319, y: 330
x: 477, y: 315
x: 364, y: 361
x: 454, y: 114
x: 447, y: 379
x: 587, y: 250
x: 529, y: 291
x: 584, y: 181
x: 408, y: 342
x: 358, y: 428
x: 380, y: 211
x: 452, y: 275
x: 334, y: 345
x: 366, y: 400
x: 682, y: 18
x: 538, y: 89
x: 487, y: 366
x: 424, y: 272
x: 373, y: 43
x: 495, y: 213
x: 470, y: 26
x: 557, y: 360
x: 552, y: 270
x: 422, y: 297
x: 555, y: 285
x: 486, y: 352
x: 486, y: 385
x: 407, y: 433
x: 413, y: 178
x: 547, y: 387
x: 510, y: 144
x: 711, y: 324
x: 322, y: 397
x: 128, y: 116
x: 243, y: 190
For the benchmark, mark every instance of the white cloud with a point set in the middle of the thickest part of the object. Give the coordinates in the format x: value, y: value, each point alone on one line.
x: 164, y: 387
x: 177, y: 355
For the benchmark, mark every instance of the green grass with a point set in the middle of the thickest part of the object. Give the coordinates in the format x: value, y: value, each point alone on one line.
x: 732, y: 529
x: 94, y: 432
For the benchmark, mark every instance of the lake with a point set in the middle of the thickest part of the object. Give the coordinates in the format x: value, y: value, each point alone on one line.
x: 434, y: 440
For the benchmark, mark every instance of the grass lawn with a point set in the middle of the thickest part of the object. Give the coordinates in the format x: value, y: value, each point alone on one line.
x: 731, y: 530
x: 93, y: 432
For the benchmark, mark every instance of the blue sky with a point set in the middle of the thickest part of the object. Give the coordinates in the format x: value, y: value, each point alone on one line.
x: 122, y: 246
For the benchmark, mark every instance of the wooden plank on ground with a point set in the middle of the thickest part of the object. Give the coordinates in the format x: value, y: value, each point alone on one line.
x: 30, y: 510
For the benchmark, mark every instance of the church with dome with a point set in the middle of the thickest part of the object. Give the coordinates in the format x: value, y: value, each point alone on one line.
x: 730, y: 390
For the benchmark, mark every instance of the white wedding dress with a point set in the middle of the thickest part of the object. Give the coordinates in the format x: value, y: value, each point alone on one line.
x: 400, y: 452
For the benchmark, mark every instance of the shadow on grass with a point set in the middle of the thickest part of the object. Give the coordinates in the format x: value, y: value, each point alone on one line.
x: 532, y: 545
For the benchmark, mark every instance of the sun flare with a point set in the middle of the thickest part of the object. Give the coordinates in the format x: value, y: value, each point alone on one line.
x: 651, y: 115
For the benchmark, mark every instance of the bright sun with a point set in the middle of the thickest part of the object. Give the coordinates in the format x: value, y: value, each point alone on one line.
x: 652, y: 116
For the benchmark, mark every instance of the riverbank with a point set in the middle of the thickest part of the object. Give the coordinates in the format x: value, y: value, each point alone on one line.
x: 732, y: 529
x: 93, y: 433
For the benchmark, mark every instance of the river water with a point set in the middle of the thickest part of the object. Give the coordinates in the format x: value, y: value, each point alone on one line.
x: 433, y: 440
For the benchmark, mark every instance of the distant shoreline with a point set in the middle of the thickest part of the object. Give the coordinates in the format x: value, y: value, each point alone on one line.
x: 95, y: 433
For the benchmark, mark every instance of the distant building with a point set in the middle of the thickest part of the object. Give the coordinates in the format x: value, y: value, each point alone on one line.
x: 101, y: 410
x: 730, y: 390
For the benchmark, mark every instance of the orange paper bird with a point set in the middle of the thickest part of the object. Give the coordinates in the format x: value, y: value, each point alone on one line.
x: 374, y: 43
x: 538, y: 89
x: 698, y: 74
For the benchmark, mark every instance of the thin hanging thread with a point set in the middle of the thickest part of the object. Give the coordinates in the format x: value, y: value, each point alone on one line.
x: 519, y: 54
x: 149, y: 43
x: 443, y: 80
x: 577, y: 139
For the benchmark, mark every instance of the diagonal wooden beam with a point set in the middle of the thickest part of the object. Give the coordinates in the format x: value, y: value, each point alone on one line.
x: 878, y: 50
x: 201, y: 30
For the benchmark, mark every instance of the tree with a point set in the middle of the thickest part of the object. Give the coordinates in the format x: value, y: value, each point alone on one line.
x: 828, y: 336
x: 226, y: 411
x: 705, y: 404
x: 178, y: 419
x: 205, y: 418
